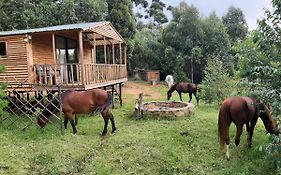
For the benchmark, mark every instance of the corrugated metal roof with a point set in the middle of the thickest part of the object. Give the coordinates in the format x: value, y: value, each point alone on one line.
x: 81, y: 26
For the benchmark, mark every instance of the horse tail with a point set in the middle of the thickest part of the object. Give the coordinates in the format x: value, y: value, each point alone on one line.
x: 223, y: 122
x: 109, y: 102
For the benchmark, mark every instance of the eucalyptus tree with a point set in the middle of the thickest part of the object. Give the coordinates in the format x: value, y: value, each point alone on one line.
x: 183, y: 34
x: 24, y: 14
x: 235, y: 23
x: 120, y: 13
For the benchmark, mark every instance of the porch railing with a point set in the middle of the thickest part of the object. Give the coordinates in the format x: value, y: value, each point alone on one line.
x: 72, y: 74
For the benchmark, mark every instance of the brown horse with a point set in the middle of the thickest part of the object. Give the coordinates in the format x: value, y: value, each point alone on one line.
x: 73, y: 102
x: 240, y: 111
x: 184, y: 88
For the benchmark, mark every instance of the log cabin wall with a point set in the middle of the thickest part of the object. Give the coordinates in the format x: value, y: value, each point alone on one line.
x: 15, y: 60
x: 42, y: 49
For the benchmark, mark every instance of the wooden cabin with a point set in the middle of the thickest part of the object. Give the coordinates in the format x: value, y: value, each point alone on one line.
x: 75, y: 56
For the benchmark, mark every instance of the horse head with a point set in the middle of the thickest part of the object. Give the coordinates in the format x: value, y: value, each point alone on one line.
x: 42, y: 120
x: 270, y: 122
x: 170, y: 91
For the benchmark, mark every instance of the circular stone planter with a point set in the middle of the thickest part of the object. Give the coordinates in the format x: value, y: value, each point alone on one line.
x: 166, y: 108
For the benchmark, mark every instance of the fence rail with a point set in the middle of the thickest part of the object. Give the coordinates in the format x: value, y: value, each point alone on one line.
x: 71, y: 74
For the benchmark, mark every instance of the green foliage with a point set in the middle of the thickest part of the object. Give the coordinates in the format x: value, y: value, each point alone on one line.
x: 145, y: 51
x: 216, y: 85
x: 3, y: 101
x: 235, y: 24
x: 120, y: 13
x: 24, y: 14
x: 273, y: 151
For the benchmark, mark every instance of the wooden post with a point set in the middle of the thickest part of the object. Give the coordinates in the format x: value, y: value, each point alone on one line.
x: 54, y: 47
x: 120, y: 93
x: 125, y: 54
x: 81, y: 54
x: 120, y: 52
x: 31, y: 77
x: 113, y: 54
x: 104, y: 48
x: 95, y: 49
x: 112, y: 93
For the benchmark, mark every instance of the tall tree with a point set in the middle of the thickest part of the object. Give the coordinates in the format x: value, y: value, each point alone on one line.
x: 24, y: 14
x: 260, y: 60
x: 120, y: 13
x: 183, y: 33
x: 235, y: 23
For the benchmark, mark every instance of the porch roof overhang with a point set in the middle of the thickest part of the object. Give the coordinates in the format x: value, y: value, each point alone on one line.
x: 101, y: 30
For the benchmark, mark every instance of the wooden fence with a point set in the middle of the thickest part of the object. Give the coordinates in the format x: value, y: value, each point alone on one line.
x: 72, y: 74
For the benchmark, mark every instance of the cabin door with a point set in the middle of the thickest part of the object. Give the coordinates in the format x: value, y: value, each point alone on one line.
x: 66, y: 51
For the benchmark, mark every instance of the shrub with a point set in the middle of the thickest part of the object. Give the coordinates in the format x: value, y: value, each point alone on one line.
x: 217, y: 84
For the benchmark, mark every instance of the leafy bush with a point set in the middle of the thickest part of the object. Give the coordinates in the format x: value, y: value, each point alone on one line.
x: 217, y: 84
x: 273, y: 152
x: 3, y: 101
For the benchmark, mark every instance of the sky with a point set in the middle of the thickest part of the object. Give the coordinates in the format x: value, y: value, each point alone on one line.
x: 252, y: 9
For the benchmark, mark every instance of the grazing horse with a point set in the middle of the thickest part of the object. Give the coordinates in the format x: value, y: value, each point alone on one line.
x: 73, y: 102
x: 169, y: 80
x: 184, y: 88
x: 240, y: 111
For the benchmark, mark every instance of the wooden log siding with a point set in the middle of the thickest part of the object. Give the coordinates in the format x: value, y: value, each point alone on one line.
x: 15, y: 61
x: 64, y: 74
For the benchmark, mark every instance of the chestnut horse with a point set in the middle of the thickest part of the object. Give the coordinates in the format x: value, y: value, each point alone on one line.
x: 240, y: 111
x: 73, y: 102
x: 183, y: 88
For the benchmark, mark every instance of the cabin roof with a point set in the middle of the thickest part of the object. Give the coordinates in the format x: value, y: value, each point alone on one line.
x: 79, y: 26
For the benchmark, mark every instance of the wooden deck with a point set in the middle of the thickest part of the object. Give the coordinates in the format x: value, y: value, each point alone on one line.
x: 79, y: 76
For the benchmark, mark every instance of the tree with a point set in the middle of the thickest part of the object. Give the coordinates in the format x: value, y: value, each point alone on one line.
x: 120, y: 13
x: 24, y: 14
x: 216, y: 41
x: 263, y: 70
x: 235, y: 23
x: 217, y: 84
x: 183, y: 34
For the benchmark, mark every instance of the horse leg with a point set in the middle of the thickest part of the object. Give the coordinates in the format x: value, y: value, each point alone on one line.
x: 105, y: 118
x: 65, y: 122
x: 250, y: 129
x: 180, y: 95
x: 69, y: 116
x: 227, y: 142
x: 190, y: 97
x: 111, y: 117
x: 76, y: 119
x: 239, y: 130
x: 73, y: 126
x: 197, y: 99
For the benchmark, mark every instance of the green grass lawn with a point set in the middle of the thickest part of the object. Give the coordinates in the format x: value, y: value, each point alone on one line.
x: 146, y: 146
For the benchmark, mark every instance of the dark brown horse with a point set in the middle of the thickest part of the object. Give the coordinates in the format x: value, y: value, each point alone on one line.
x: 73, y: 102
x: 189, y: 88
x: 240, y: 111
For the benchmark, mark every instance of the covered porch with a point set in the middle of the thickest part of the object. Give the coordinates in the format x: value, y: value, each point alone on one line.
x: 78, y: 57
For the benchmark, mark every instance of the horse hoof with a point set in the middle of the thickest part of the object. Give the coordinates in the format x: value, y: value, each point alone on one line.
x: 103, y: 133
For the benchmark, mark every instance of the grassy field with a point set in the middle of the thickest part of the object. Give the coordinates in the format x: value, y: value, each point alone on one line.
x: 146, y: 146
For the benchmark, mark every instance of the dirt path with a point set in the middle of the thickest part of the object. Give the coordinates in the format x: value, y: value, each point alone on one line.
x: 135, y: 88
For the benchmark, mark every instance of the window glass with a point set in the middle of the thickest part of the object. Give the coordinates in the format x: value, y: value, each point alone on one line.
x: 3, y: 49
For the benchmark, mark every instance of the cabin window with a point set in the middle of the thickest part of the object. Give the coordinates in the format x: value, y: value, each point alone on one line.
x: 3, y: 51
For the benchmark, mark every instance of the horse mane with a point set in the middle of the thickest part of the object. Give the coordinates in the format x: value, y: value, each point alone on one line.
x: 173, y: 87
